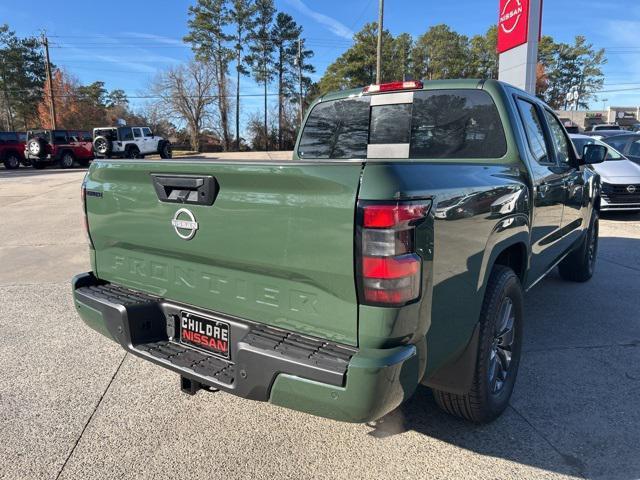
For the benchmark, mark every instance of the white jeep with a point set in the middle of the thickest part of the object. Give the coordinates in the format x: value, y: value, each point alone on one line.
x: 129, y: 142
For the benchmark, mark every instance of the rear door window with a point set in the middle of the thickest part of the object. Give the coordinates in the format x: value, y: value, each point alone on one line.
x: 336, y: 129
x: 126, y: 134
x: 136, y: 133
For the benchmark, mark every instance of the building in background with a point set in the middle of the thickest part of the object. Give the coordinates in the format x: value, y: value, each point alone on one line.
x: 626, y: 117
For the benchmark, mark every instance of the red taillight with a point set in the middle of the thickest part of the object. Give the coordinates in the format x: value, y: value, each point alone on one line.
x: 385, y: 268
x: 394, y: 87
x: 389, y: 267
x: 388, y: 216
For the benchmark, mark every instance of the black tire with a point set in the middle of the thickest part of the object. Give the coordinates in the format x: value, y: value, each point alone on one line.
x: 580, y: 264
x: 498, y: 352
x: 66, y: 160
x: 132, y: 152
x: 102, y: 146
x: 165, y: 150
x: 38, y: 164
x: 11, y: 161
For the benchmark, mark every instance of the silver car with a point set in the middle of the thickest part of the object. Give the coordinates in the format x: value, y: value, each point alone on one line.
x: 620, y: 177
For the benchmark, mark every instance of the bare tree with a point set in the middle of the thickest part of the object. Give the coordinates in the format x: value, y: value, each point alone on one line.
x: 186, y: 94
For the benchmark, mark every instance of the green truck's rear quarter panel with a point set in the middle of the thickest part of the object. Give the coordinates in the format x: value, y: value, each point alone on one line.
x: 277, y: 246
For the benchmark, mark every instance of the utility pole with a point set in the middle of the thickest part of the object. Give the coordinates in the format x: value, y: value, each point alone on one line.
x: 52, y: 104
x: 380, y: 29
x: 300, y: 80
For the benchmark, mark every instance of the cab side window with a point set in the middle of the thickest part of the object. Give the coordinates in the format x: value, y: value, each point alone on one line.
x: 126, y: 134
x: 560, y: 141
x: 136, y: 133
x: 534, y: 130
x: 59, y: 137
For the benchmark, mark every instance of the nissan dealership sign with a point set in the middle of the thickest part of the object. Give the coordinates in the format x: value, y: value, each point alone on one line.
x: 519, y: 24
x: 513, y: 24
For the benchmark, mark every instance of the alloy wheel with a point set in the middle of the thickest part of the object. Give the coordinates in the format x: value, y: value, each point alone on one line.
x: 502, y: 346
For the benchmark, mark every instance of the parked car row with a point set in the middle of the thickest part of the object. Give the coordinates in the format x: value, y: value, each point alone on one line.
x: 43, y: 147
x: 620, y: 177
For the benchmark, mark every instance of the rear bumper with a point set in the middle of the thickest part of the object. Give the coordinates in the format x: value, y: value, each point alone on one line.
x: 266, y: 364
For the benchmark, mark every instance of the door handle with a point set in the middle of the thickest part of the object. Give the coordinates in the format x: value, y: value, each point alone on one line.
x: 186, y: 189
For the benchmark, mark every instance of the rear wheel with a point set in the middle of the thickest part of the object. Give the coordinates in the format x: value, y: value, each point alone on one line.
x: 499, y: 349
x: 580, y: 264
x: 165, y: 150
x: 132, y: 152
x: 66, y: 161
x: 11, y: 161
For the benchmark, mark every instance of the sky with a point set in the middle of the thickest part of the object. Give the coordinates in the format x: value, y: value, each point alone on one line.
x: 127, y: 43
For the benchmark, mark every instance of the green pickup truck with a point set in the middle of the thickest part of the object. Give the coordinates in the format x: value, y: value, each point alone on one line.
x: 391, y: 251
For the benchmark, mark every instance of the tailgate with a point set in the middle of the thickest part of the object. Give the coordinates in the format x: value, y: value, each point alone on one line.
x: 276, y: 246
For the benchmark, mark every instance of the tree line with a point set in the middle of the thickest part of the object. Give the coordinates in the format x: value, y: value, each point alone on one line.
x: 251, y: 38
x: 442, y: 53
x: 233, y: 40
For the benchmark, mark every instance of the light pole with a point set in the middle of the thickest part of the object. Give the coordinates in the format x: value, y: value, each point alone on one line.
x: 379, y: 56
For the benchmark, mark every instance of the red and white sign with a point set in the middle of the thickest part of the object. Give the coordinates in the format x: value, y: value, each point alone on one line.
x: 513, y: 24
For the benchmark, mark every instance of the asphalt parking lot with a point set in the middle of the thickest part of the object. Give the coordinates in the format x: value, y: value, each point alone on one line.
x: 74, y: 405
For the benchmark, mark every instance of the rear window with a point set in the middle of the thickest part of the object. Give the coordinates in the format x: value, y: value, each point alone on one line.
x: 440, y: 124
x: 390, y: 124
x: 337, y: 130
x: 46, y: 135
x: 456, y: 124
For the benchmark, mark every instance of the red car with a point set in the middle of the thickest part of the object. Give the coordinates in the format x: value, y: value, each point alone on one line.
x: 64, y: 147
x: 12, y: 149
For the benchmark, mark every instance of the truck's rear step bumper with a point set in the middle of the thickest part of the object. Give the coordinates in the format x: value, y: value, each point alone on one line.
x: 266, y: 363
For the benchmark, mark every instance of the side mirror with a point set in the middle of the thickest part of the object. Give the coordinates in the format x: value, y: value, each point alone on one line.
x: 592, y: 154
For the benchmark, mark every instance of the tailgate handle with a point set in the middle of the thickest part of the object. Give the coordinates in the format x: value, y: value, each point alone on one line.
x: 187, y: 189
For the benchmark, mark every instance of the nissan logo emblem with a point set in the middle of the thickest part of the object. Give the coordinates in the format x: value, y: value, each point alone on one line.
x: 509, y: 18
x: 184, y: 223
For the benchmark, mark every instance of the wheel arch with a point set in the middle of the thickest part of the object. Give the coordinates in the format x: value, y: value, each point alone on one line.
x: 506, y: 246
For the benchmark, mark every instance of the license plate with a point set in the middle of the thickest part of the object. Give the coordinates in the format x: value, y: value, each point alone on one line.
x: 207, y: 334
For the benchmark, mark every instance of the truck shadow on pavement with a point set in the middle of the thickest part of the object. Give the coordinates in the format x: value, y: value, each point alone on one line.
x: 576, y: 405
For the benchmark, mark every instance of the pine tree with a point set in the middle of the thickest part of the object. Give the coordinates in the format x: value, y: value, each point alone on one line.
x: 261, y: 50
x: 285, y: 34
x: 208, y: 21
x: 243, y: 15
